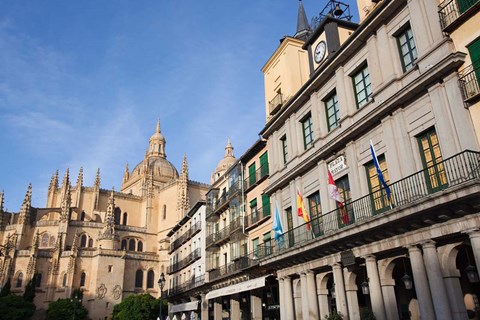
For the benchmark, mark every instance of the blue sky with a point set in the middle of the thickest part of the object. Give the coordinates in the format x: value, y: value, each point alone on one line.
x: 82, y: 83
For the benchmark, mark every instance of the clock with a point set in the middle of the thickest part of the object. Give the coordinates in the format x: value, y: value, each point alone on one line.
x: 320, y: 50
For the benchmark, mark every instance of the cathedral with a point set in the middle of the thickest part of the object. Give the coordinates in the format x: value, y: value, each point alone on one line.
x: 108, y: 243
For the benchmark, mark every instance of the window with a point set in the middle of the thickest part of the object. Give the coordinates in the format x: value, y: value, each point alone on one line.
x: 379, y: 196
x: 124, y: 244
x: 138, y: 279
x: 315, y: 213
x: 51, y: 242
x: 255, y: 243
x: 118, y: 212
x: 474, y: 50
x: 83, y: 277
x: 140, y: 246
x: 38, y: 280
x: 267, y: 241
x: 125, y: 217
x: 83, y: 241
x: 90, y: 243
x: 19, y: 280
x: 408, y: 51
x: 432, y: 159
x: 253, y: 211
x: 345, y: 214
x: 110, y: 268
x: 45, y: 238
x: 131, y: 245
x: 291, y: 239
x: 265, y: 205
x: 164, y: 212
x: 333, y: 113
x: 251, y: 174
x: 150, y: 279
x: 264, y: 164
x: 362, y: 86
x: 283, y: 141
x: 82, y: 216
x: 64, y: 281
x: 307, y: 129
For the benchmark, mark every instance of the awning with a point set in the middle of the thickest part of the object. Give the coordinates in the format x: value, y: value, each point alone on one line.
x: 239, y: 287
x: 188, y: 306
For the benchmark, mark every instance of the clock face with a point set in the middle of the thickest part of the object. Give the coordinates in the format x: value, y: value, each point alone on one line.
x: 320, y: 51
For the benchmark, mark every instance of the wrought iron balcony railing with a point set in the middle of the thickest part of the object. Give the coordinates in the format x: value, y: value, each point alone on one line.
x: 256, y: 215
x: 275, y: 104
x: 449, y: 173
x: 450, y: 10
x: 194, y: 255
x: 469, y: 81
x: 194, y: 282
x: 186, y: 236
x: 233, y: 267
x: 224, y: 234
x: 253, y: 180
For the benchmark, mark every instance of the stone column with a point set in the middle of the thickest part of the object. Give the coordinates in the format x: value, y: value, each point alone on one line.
x: 455, y: 296
x: 304, y: 293
x: 281, y: 293
x: 351, y: 291
x: 435, y: 278
x: 422, y: 288
x: 312, y: 298
x: 203, y: 307
x: 340, y: 295
x: 376, y: 296
x: 288, y: 298
x: 474, y: 235
x: 256, y: 305
x: 389, y: 298
x: 235, y: 307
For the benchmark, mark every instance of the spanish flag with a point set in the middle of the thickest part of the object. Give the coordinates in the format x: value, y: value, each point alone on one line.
x: 301, y: 211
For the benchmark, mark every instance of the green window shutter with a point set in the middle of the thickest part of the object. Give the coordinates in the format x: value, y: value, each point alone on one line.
x: 464, y: 5
x: 266, y: 205
x: 264, y: 164
x: 474, y: 50
x: 251, y: 175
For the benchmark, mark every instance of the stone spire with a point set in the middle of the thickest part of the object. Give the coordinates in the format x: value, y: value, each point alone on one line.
x: 80, y: 178
x: 96, y: 184
x: 108, y: 231
x: 66, y: 180
x: 66, y: 204
x: 157, y: 143
x: 24, y: 215
x: 183, y: 201
x: 303, y: 28
x: 126, y: 174
x: 1, y: 209
x: 53, y: 182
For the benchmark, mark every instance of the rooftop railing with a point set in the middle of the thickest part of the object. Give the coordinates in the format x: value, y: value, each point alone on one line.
x: 449, y: 173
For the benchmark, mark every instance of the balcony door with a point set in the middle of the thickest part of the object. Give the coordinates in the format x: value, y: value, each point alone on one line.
x: 432, y: 161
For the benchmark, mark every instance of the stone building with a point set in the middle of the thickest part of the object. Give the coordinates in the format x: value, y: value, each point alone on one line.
x: 110, y: 244
x: 403, y: 244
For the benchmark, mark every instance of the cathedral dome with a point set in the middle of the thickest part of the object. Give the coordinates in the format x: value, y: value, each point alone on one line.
x: 159, y: 167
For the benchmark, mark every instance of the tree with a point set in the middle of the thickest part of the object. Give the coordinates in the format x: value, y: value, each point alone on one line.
x: 15, y: 308
x: 6, y: 289
x: 29, y: 293
x: 137, y: 307
x: 65, y: 308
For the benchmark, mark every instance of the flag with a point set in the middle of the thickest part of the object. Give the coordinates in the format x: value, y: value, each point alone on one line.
x: 277, y: 225
x: 333, y: 193
x: 379, y: 172
x: 301, y: 211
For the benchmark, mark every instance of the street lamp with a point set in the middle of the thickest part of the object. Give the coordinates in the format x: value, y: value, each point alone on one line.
x: 161, y: 284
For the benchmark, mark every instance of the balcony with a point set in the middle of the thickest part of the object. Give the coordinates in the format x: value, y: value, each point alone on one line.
x: 233, y: 267
x: 193, y: 256
x: 194, y: 229
x: 256, y: 217
x: 193, y: 283
x: 254, y: 180
x: 450, y: 10
x: 469, y: 83
x: 222, y: 236
x: 275, y: 104
x: 417, y: 201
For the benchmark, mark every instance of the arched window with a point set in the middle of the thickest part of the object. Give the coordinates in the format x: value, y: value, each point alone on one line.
x: 38, y: 280
x: 118, y: 212
x: 164, y: 211
x: 124, y: 244
x: 19, y: 280
x: 140, y: 246
x: 90, y: 243
x: 131, y: 245
x: 150, y: 279
x: 45, y: 238
x: 125, y: 217
x: 83, y: 241
x: 64, y: 281
x: 52, y: 241
x: 83, y: 277
x: 139, y: 279
x: 82, y: 216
